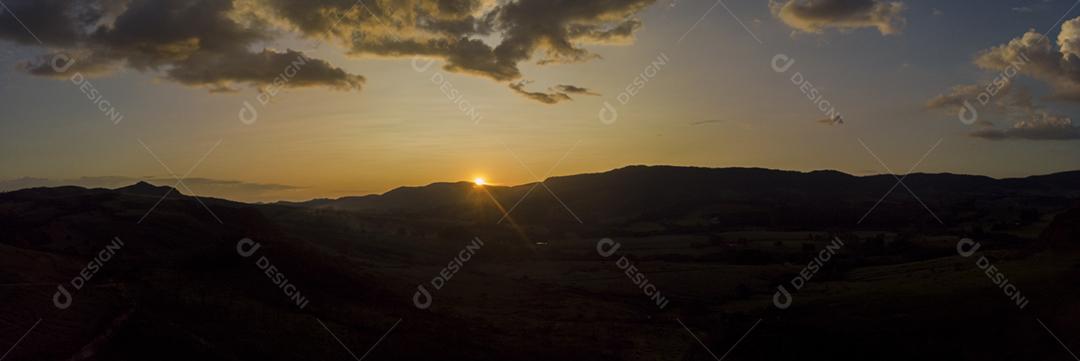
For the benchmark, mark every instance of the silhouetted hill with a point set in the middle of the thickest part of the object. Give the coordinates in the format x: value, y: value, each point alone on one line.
x: 716, y: 242
x: 80, y: 221
x: 730, y: 195
x: 147, y: 189
x: 177, y: 268
x: 408, y: 198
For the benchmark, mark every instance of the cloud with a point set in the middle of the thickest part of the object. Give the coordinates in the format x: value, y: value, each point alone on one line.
x: 554, y: 95
x: 255, y: 68
x: 707, y: 122
x: 1012, y: 103
x: 217, y: 44
x: 815, y: 16
x: 1034, y: 55
x: 1042, y: 126
x: 1000, y: 99
x: 203, y: 43
x: 619, y: 33
x: 837, y: 120
x: 725, y: 123
x: 570, y: 89
x: 955, y: 98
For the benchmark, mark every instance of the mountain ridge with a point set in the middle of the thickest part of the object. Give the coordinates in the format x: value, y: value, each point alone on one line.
x: 747, y: 194
x: 1073, y: 173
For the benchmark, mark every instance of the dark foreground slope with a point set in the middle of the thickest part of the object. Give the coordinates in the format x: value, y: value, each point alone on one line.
x: 175, y: 290
x: 537, y: 288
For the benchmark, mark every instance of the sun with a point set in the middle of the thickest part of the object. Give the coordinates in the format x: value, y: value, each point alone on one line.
x: 479, y: 181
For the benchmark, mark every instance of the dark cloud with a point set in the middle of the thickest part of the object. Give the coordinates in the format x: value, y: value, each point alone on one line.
x: 64, y: 64
x: 553, y: 97
x: 54, y: 22
x: 204, y: 43
x: 570, y: 89
x: 620, y: 32
x: 555, y: 28
x: 815, y: 16
x: 462, y: 32
x: 216, y: 43
x: 291, y: 68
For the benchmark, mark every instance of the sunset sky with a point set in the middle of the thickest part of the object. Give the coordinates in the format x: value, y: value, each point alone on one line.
x: 360, y: 114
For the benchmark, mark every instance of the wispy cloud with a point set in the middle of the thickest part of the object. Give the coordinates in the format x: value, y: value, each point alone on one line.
x: 837, y: 120
x: 707, y: 122
x: 1041, y: 127
x: 555, y: 95
x: 570, y: 89
x: 819, y: 15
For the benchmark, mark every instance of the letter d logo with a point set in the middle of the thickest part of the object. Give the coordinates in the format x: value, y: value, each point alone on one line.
x: 248, y: 115
x: 612, y: 247
x: 778, y: 64
x: 61, y: 299
x: 62, y: 62
x: 968, y: 115
x: 971, y: 246
x: 782, y: 292
x: 608, y: 114
x: 422, y: 292
x: 250, y: 246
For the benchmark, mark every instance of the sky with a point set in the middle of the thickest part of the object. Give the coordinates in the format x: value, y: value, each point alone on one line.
x: 264, y: 100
